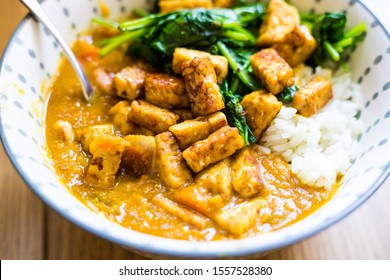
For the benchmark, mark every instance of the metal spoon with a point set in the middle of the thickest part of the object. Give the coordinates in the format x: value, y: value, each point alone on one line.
x: 40, y: 15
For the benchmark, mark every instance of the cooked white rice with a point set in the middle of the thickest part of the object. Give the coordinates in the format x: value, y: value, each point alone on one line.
x: 321, y: 147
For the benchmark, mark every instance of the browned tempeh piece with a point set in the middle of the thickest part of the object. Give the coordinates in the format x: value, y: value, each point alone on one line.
x: 273, y: 71
x: 170, y: 164
x: 129, y: 82
x: 107, y: 155
x: 87, y: 135
x: 120, y: 118
x: 139, y: 155
x: 166, y: 91
x: 191, y: 131
x: 202, y: 87
x: 219, y: 145
x: 313, y: 96
x: 219, y: 62
x: 152, y: 117
x: 260, y: 108
x: 104, y: 80
x: 297, y: 46
x: 240, y: 218
x: 217, y: 178
x: 247, y: 177
x: 280, y: 19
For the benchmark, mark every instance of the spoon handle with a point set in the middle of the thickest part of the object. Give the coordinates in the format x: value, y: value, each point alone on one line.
x: 39, y: 14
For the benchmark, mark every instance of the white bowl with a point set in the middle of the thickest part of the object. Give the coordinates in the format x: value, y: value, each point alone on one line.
x: 32, y: 57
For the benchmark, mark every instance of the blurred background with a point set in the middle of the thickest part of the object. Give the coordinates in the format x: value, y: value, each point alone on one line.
x: 30, y: 230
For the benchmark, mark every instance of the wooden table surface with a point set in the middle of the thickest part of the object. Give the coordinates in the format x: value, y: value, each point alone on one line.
x: 30, y: 230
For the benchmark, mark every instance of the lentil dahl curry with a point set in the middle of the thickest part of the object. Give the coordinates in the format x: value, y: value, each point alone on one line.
x: 174, y: 150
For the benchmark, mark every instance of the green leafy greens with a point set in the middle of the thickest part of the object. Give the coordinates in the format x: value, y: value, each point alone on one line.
x: 231, y: 33
x: 234, y: 112
x: 228, y: 32
x: 287, y: 94
x: 333, y: 42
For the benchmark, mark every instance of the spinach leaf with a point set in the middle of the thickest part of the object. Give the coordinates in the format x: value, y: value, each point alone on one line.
x: 329, y: 26
x: 287, y: 94
x: 333, y: 42
x: 235, y: 114
x: 239, y: 65
x: 250, y: 15
x: 327, y: 29
x: 198, y: 28
x: 218, y: 31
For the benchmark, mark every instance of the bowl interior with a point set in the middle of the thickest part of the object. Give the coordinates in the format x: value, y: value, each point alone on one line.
x: 32, y: 57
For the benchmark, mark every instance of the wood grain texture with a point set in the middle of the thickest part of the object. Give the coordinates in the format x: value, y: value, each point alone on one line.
x: 29, y: 230
x: 21, y: 216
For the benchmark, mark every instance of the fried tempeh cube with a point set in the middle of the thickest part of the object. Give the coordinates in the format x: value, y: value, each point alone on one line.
x: 219, y: 145
x: 120, y: 117
x: 240, y: 218
x: 139, y: 155
x: 152, y: 117
x: 170, y: 164
x: 107, y: 155
x: 217, y: 178
x: 191, y: 131
x: 104, y: 80
x: 181, y: 55
x: 129, y: 82
x: 166, y: 91
x: 246, y: 176
x: 180, y: 212
x: 312, y: 97
x: 297, y: 46
x: 89, y: 134
x: 273, y: 71
x: 202, y: 87
x: 168, y: 6
x: 280, y: 19
x: 260, y: 108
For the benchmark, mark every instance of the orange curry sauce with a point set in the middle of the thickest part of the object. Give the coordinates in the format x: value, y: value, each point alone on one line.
x: 129, y: 203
